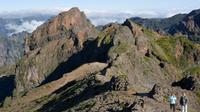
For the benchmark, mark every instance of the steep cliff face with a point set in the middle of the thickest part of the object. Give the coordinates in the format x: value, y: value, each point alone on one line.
x: 11, y: 48
x: 186, y: 24
x: 189, y: 25
x: 51, y: 45
x: 77, y: 68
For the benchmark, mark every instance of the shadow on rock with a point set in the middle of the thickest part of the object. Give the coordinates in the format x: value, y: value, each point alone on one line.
x: 7, y: 85
x: 90, y: 53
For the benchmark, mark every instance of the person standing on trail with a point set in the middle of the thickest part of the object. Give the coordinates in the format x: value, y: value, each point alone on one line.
x: 172, y: 101
x: 183, y: 103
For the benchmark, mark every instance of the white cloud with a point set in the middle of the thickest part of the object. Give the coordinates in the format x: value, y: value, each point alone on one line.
x: 28, y: 26
x: 102, y: 18
x: 97, y: 17
x: 173, y: 12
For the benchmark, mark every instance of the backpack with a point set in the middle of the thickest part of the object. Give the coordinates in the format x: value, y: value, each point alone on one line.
x: 183, y: 100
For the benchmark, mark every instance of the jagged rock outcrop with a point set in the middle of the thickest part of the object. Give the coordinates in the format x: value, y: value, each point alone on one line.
x: 11, y: 48
x: 58, y: 72
x: 52, y: 44
x: 119, y: 83
x: 157, y: 93
x: 189, y: 25
x: 71, y: 24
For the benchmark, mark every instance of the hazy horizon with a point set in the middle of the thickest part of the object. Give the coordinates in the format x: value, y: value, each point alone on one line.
x: 100, y: 12
x: 142, y: 8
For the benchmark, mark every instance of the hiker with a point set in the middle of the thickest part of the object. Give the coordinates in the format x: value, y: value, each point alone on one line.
x: 172, y: 100
x: 183, y: 103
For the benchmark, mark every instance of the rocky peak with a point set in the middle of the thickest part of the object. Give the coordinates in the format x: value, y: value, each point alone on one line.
x: 133, y: 60
x: 134, y: 27
x: 66, y: 24
x: 51, y: 44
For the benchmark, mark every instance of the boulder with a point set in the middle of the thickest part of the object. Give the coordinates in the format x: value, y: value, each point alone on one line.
x: 119, y: 83
x: 156, y: 93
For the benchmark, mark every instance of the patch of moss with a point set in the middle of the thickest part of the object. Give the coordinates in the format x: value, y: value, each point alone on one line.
x: 7, y: 101
x: 168, y: 45
x: 104, y: 39
x: 106, y: 36
x: 100, y: 38
x: 122, y: 75
x: 158, y: 51
x: 165, y: 49
x: 183, y: 62
x: 189, y: 45
x: 165, y: 98
x: 150, y: 33
x: 198, y: 96
x: 107, y: 39
x: 121, y: 48
x: 146, y: 59
x: 193, y: 71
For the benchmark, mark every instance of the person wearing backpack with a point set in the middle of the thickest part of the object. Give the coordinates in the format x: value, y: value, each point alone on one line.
x: 183, y: 103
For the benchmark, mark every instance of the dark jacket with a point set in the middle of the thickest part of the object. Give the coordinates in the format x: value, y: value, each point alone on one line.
x: 183, y: 100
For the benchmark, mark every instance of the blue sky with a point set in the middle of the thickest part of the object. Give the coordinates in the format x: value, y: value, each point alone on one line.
x: 100, y: 11
x: 110, y: 5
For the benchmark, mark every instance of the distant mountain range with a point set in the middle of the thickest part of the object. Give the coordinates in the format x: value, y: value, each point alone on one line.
x: 9, y: 26
x: 180, y: 24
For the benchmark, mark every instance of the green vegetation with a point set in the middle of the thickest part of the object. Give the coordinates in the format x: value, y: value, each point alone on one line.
x: 193, y: 71
x: 165, y: 49
x: 7, y: 101
x: 146, y: 59
x: 158, y: 51
x: 107, y: 39
x: 104, y: 39
x: 150, y: 33
x: 198, y: 96
x: 100, y: 38
x: 168, y: 45
x: 189, y: 45
x: 122, y: 75
x: 119, y: 49
x: 165, y: 98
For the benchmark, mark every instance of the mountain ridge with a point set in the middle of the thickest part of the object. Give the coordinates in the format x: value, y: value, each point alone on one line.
x: 183, y: 24
x: 112, y: 69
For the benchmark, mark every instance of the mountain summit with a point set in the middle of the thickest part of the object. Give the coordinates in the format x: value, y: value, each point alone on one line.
x: 69, y: 65
x: 52, y: 44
